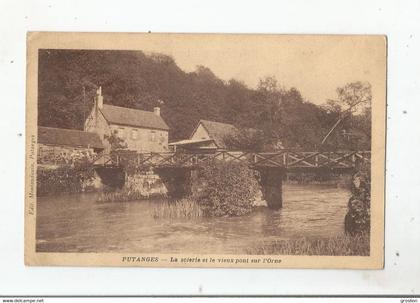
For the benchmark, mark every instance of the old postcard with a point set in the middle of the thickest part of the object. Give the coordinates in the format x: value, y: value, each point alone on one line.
x: 205, y: 150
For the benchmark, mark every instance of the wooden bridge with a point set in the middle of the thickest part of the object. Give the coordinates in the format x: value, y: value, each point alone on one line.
x: 178, y: 169
x: 286, y: 160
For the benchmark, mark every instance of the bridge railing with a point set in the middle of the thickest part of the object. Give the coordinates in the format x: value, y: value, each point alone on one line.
x: 284, y: 159
x: 316, y: 159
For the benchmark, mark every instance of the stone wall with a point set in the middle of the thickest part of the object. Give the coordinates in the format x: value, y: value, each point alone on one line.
x: 63, y: 155
x: 97, y: 123
x: 146, y: 184
x: 142, y: 139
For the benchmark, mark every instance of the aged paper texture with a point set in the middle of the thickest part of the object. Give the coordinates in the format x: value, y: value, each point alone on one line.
x: 205, y: 150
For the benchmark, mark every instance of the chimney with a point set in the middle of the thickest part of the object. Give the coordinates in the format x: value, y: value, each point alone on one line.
x: 156, y: 110
x: 99, y: 98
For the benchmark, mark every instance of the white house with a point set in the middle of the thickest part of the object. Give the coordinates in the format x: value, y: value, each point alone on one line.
x: 142, y: 131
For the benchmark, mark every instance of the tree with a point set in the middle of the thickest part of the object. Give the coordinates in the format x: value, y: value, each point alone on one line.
x: 136, y: 80
x: 352, y: 98
x: 248, y: 139
x: 268, y: 101
x: 355, y: 96
x: 115, y: 142
x: 268, y: 84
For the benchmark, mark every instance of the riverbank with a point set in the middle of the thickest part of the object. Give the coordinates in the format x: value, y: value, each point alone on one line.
x: 343, y: 245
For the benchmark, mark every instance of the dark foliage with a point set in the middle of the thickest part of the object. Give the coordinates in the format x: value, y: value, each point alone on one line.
x: 357, y: 220
x: 68, y: 80
x: 246, y: 140
x: 116, y: 143
x: 227, y: 188
x: 64, y: 179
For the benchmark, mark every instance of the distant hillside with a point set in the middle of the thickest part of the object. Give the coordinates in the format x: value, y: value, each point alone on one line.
x: 133, y: 79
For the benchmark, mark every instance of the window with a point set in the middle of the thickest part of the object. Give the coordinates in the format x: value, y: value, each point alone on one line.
x: 134, y: 134
x: 152, y: 136
x: 121, y: 132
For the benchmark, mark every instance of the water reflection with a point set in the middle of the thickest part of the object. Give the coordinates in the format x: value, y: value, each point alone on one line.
x: 77, y: 223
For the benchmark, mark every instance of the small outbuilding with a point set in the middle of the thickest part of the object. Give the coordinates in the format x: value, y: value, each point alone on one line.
x: 60, y: 145
x: 207, y: 136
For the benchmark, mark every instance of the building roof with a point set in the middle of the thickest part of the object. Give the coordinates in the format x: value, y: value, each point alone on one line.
x: 202, y: 144
x: 68, y: 137
x: 218, y: 131
x: 133, y: 117
x: 191, y: 142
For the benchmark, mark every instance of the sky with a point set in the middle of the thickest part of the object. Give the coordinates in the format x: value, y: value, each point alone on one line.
x: 315, y: 65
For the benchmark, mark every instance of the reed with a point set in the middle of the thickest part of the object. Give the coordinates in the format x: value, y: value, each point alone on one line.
x: 344, y: 245
x: 184, y: 208
x: 122, y: 195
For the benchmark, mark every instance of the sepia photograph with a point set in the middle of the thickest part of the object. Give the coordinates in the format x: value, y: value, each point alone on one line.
x: 205, y: 150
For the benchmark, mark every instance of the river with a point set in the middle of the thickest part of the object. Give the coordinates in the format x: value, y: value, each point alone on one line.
x: 77, y: 223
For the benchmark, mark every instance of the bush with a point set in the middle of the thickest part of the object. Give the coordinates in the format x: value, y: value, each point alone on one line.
x: 227, y: 188
x: 357, y: 219
x: 64, y: 179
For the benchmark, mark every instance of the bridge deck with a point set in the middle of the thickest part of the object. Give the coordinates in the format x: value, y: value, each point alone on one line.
x: 290, y: 160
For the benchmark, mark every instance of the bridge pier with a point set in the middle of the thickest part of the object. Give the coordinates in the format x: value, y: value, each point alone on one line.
x: 178, y: 181
x: 272, y: 186
x: 112, y: 177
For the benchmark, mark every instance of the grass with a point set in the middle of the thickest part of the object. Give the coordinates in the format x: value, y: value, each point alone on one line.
x: 184, y: 208
x: 337, y: 246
